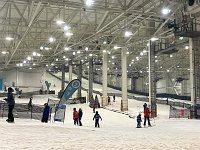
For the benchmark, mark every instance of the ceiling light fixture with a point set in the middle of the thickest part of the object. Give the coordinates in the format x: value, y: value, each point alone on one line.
x: 128, y: 33
x: 51, y: 39
x: 89, y: 2
x: 166, y: 11
x: 9, y: 38
x: 28, y: 58
x: 66, y: 27
x: 86, y: 48
x: 68, y: 34
x: 60, y: 22
x: 154, y: 39
x: 4, y: 52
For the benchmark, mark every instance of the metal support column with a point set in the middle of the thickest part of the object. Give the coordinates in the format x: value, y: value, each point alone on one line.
x: 152, y: 80
x: 70, y: 71
x: 80, y: 78
x: 124, y: 101
x: 133, y: 83
x: 90, y: 90
x: 105, y: 79
x: 63, y: 78
x: 194, y: 44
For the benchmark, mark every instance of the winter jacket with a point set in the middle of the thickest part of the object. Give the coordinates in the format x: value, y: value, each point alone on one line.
x: 146, y: 112
x: 10, y: 99
x: 96, y: 117
x: 75, y: 115
x: 139, y: 119
x: 80, y: 114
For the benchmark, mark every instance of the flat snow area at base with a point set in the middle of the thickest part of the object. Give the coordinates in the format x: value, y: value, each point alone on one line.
x: 117, y: 132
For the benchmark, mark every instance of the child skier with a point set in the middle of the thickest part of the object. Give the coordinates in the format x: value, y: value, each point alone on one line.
x: 139, y: 120
x: 96, y: 117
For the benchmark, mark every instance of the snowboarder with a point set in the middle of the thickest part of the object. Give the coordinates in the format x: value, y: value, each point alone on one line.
x: 80, y: 114
x: 46, y: 111
x: 139, y: 120
x: 114, y: 98
x: 75, y: 116
x: 146, y: 116
x: 96, y: 118
x: 11, y: 104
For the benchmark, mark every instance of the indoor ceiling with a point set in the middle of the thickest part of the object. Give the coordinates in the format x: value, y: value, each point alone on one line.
x: 52, y: 32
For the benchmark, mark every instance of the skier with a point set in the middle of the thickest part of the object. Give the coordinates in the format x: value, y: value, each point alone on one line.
x: 146, y: 116
x: 75, y: 117
x: 139, y: 120
x: 11, y: 104
x: 114, y: 98
x: 80, y: 114
x: 109, y: 100
x: 96, y: 117
x: 30, y: 105
x: 46, y: 111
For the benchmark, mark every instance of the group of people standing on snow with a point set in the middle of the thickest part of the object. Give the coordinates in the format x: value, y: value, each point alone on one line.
x: 77, y: 116
x: 146, y: 117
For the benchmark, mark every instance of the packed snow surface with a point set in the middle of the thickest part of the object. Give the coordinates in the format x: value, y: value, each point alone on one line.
x: 117, y: 132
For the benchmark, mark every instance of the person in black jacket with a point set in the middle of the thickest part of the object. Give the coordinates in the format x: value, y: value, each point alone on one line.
x: 96, y: 118
x: 11, y: 104
x: 139, y: 120
x: 80, y: 114
x: 46, y: 111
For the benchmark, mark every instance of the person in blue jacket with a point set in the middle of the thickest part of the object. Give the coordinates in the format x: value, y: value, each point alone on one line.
x: 80, y: 114
x: 96, y: 118
x: 11, y: 104
x: 46, y: 111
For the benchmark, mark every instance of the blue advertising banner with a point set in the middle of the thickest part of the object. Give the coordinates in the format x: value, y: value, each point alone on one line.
x: 68, y: 92
x: 1, y: 84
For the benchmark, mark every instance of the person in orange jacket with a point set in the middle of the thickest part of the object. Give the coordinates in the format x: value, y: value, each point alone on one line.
x: 75, y: 116
x: 146, y: 116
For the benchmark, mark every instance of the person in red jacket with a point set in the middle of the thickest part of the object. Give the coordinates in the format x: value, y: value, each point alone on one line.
x: 75, y: 116
x: 146, y: 116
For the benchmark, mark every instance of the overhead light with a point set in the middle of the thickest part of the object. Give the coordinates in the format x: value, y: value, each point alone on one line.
x: 129, y: 65
x: 34, y: 64
x: 89, y: 2
x: 47, y: 48
x: 132, y: 60
x: 24, y: 61
x: 66, y: 27
x: 113, y: 57
x: 82, y: 60
x: 66, y: 59
x: 28, y: 58
x: 17, y: 65
x: 78, y: 52
x: 90, y: 55
x: 104, y: 51
x: 60, y: 22
x: 154, y: 39
x: 170, y: 55
x: 104, y: 42
x: 56, y: 59
x: 148, y: 44
x: 20, y: 64
x: 30, y: 68
x: 109, y: 52
x: 128, y: 33
x: 52, y: 64
x: 38, y: 54
x: 47, y: 65
x: 67, y: 48
x: 34, y: 53
x: 116, y: 47
x: 68, y: 34
x: 167, y: 70
x: 186, y: 47
x: 160, y: 67
x: 74, y: 53
x: 141, y: 54
x: 156, y: 60
x: 86, y: 48
x: 137, y: 58
x: 127, y: 53
x: 51, y: 39
x: 9, y: 38
x: 4, y: 52
x: 166, y: 11
x: 41, y: 47
x: 180, y: 38
x: 64, y: 56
